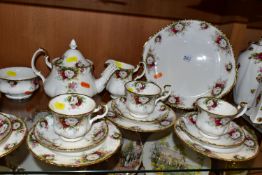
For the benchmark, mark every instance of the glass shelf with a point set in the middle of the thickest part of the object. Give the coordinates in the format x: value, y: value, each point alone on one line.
x: 24, y: 162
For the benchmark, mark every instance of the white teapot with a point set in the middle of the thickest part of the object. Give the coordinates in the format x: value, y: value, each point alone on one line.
x: 72, y: 73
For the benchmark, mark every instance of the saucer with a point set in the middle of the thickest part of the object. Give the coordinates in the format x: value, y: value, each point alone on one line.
x: 234, y: 136
x: 168, y: 153
x: 159, y: 113
x: 5, y: 127
x: 116, y: 117
x: 248, y: 150
x: 16, y: 136
x: 77, y: 159
x: 45, y: 135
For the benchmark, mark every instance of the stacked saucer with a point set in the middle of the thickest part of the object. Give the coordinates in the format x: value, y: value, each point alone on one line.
x: 237, y: 144
x: 73, y: 135
x: 100, y: 143
x: 12, y: 133
x: 160, y: 119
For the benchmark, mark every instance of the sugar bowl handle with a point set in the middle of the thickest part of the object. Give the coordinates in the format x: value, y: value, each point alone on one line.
x: 242, y: 108
x: 99, y: 116
x: 37, y: 53
x: 166, y: 93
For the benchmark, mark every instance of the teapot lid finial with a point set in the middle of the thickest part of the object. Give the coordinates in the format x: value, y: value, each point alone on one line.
x: 73, y: 44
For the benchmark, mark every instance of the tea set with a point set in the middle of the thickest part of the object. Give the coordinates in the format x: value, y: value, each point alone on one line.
x: 188, y: 65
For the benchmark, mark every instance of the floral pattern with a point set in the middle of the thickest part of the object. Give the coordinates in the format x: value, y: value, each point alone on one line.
x: 12, y: 83
x: 222, y: 43
x: 150, y: 60
x: 175, y: 100
x: 72, y: 86
x: 3, y: 126
x: 203, y: 25
x: 249, y: 142
x: 141, y: 100
x: 75, y: 100
x: 122, y: 74
x: 229, y: 67
x: 235, y: 134
x: 158, y: 39
x: 140, y: 86
x: 9, y: 146
x: 257, y: 57
x: 16, y: 125
x: 192, y: 118
x: 69, y: 122
x: 178, y: 27
x: 68, y: 73
x: 220, y: 121
x: 211, y: 103
x: 218, y: 88
x: 259, y: 75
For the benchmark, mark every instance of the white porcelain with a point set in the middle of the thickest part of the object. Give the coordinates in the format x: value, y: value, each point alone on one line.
x: 249, y: 73
x: 192, y: 56
x: 72, y: 115
x: 116, y: 115
x: 77, y: 159
x: 116, y: 84
x: 72, y: 73
x: 255, y: 111
x: 142, y: 97
x: 234, y: 137
x: 159, y: 113
x: 45, y: 135
x: 18, y: 82
x: 167, y: 152
x: 15, y: 138
x: 214, y: 116
x: 246, y: 151
x: 5, y: 127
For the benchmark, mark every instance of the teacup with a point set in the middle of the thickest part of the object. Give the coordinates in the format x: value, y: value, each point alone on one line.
x: 142, y: 97
x: 214, y: 116
x: 72, y: 115
x: 18, y: 82
x: 124, y: 74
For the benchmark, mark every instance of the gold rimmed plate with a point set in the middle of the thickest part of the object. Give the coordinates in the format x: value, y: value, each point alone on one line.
x: 77, y: 159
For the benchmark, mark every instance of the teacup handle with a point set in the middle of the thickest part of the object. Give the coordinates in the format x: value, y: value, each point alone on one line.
x: 165, y: 94
x: 99, y: 116
x: 137, y: 68
x: 37, y: 53
x: 242, y: 108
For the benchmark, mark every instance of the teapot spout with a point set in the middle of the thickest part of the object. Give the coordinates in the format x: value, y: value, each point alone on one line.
x: 105, y: 76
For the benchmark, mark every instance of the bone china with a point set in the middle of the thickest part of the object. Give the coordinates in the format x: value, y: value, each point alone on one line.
x: 116, y: 84
x: 194, y: 57
x: 248, y: 86
x: 72, y: 115
x: 71, y: 73
x: 142, y: 97
x: 214, y: 116
x: 18, y: 82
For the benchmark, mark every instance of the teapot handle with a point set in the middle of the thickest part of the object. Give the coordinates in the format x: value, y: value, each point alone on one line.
x: 137, y: 68
x: 37, y: 53
x: 99, y: 116
x: 242, y: 108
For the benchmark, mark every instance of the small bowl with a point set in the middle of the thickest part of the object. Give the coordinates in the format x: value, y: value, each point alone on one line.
x: 18, y: 82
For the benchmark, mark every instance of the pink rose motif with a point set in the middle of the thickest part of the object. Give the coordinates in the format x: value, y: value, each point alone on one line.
x: 218, y: 88
x: 221, y: 42
x: 203, y: 25
x: 177, y: 28
x: 141, y: 100
x: 192, y: 118
x: 234, y: 134
x: 121, y: 74
x: 249, y: 142
x: 174, y: 100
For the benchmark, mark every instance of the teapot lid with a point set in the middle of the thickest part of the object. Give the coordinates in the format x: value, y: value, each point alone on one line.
x: 73, y: 57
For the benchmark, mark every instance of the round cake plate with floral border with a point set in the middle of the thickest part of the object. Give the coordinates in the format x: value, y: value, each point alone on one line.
x: 248, y: 150
x: 194, y: 57
x: 130, y: 155
x: 158, y: 114
x: 45, y: 135
x: 116, y: 117
x: 5, y: 127
x: 234, y: 137
x: 168, y: 153
x: 77, y: 159
x: 16, y: 137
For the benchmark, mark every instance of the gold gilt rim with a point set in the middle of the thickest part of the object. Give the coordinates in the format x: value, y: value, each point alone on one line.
x: 212, y: 155
x: 21, y: 141
x: 9, y: 128
x: 141, y: 129
x: 233, y: 59
x: 212, y: 144
x: 76, y: 166
x: 68, y: 150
